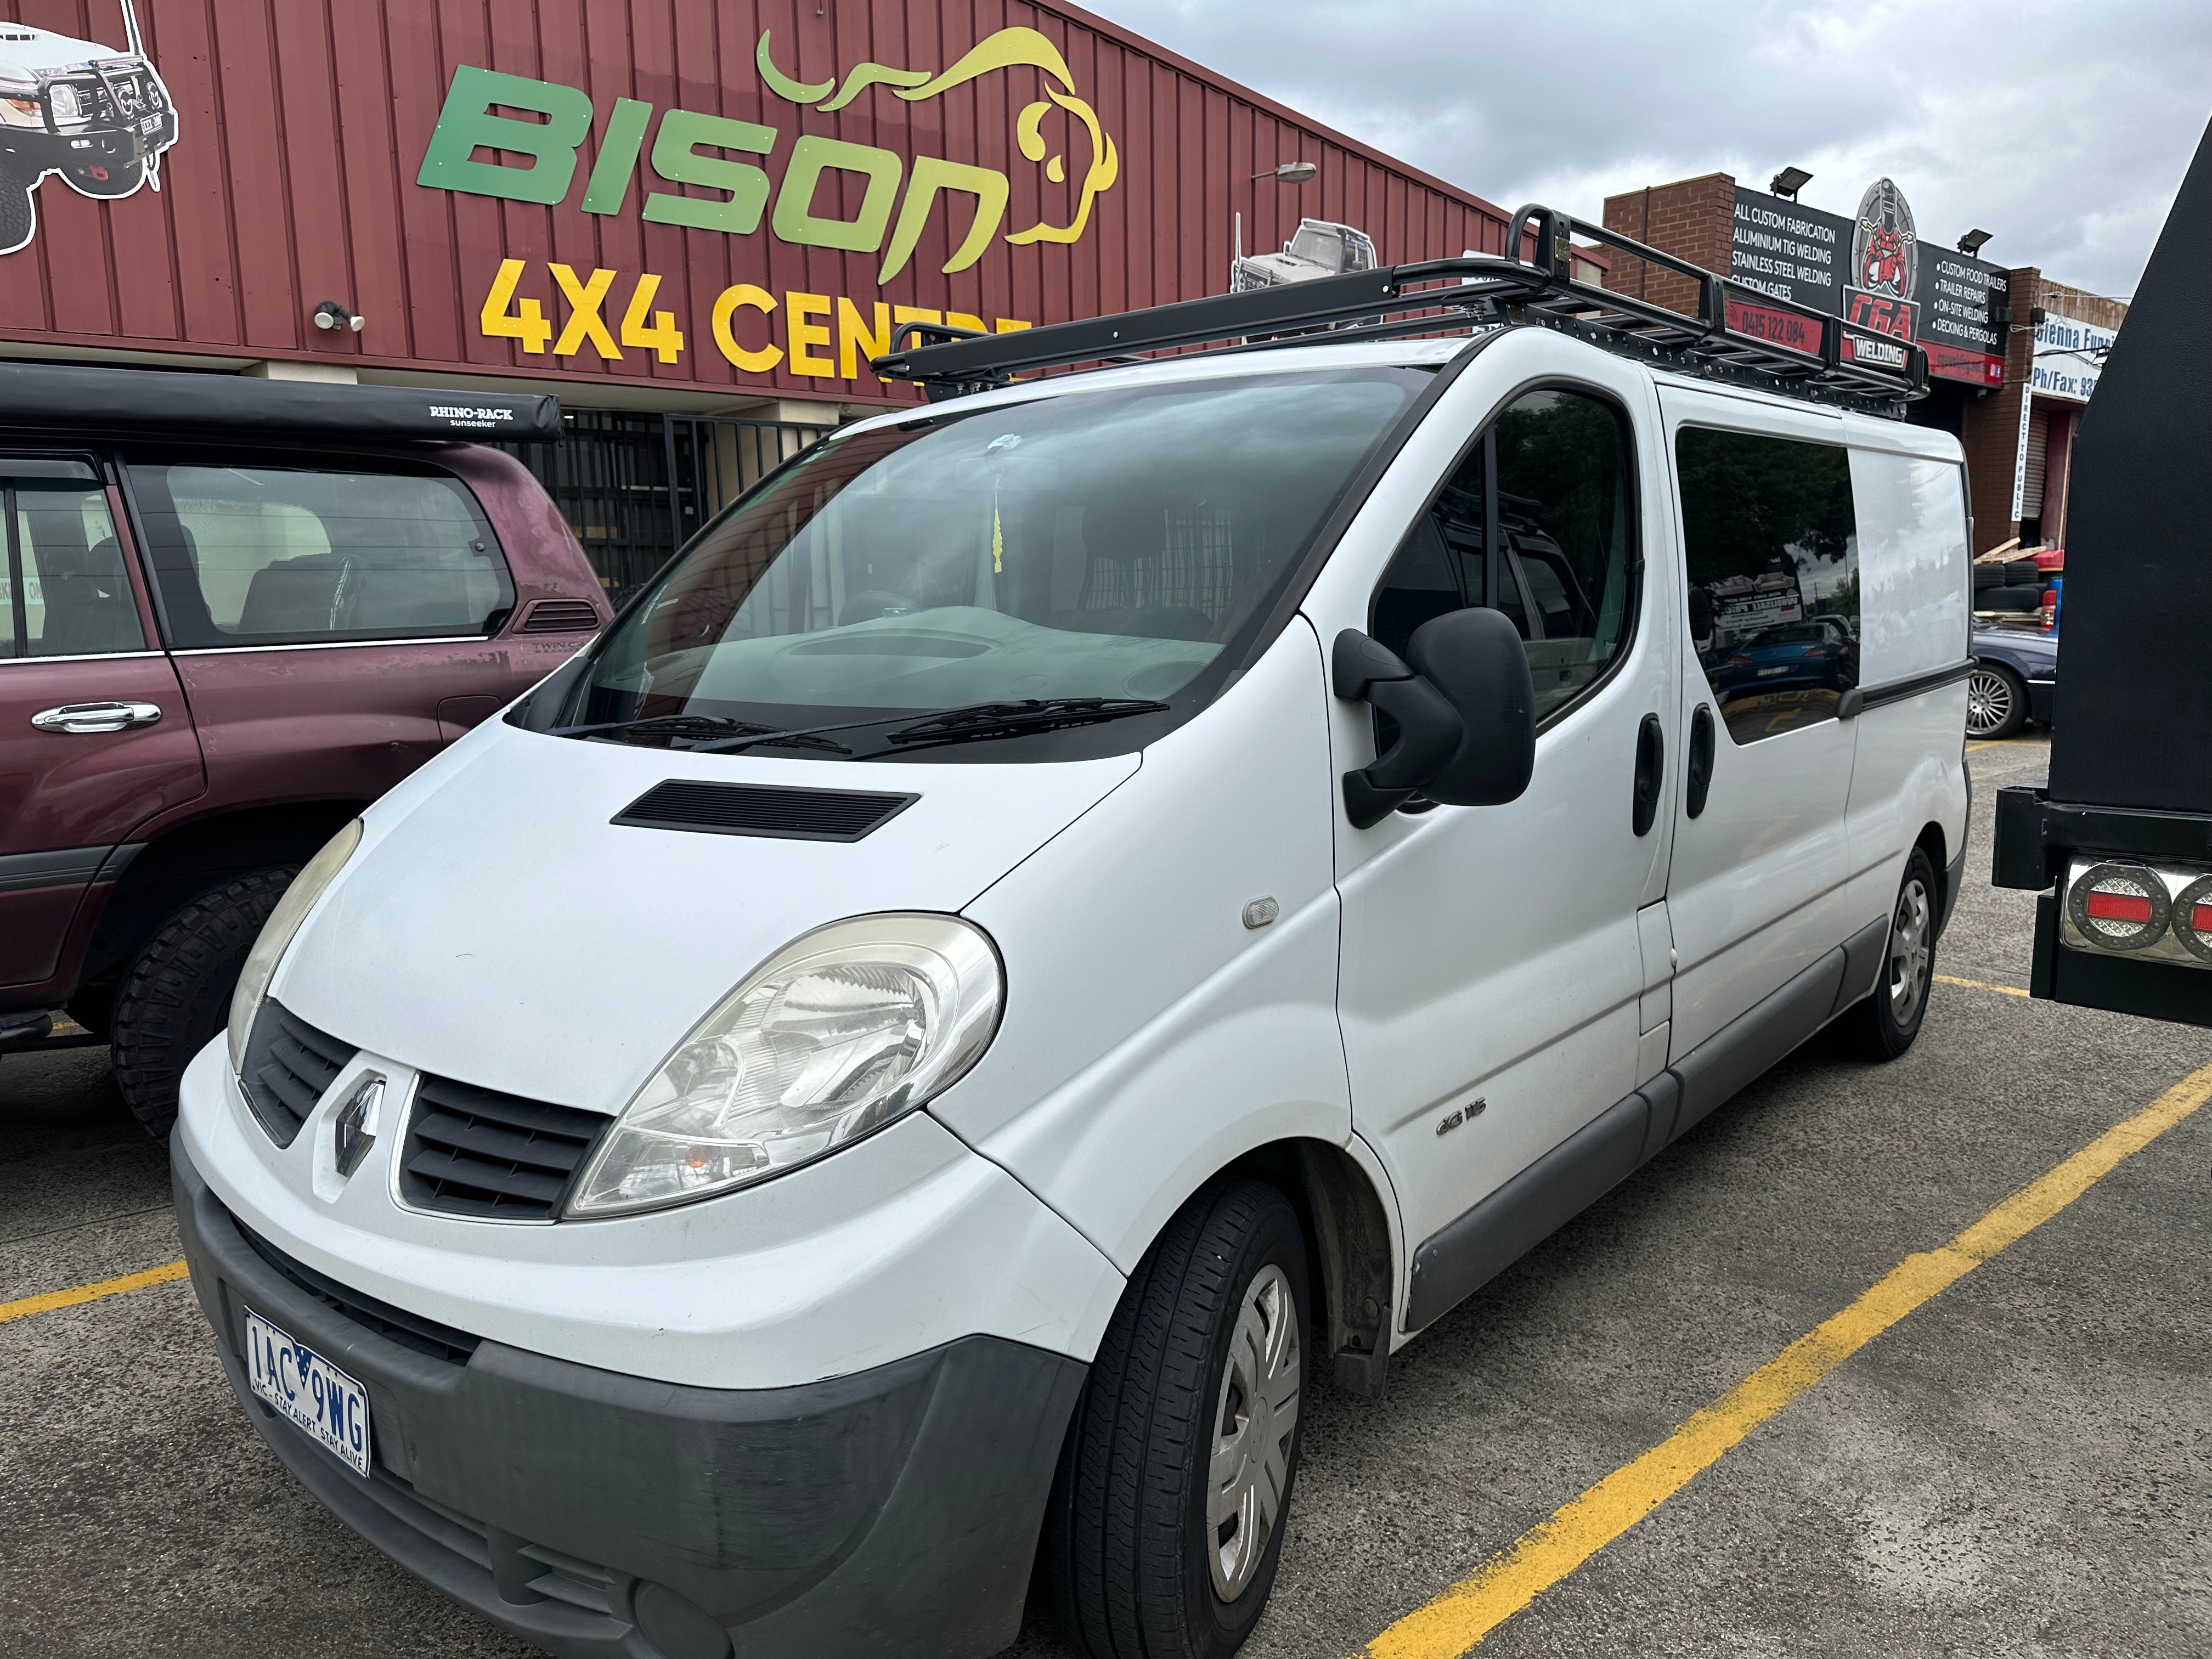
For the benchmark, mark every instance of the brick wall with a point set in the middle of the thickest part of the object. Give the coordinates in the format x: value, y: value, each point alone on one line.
x: 1990, y: 429
x: 1691, y: 218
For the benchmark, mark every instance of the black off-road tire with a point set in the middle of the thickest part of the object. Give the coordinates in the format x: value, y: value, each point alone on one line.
x: 1126, y: 1558
x: 1883, y: 1026
x: 176, y: 996
x: 19, y: 215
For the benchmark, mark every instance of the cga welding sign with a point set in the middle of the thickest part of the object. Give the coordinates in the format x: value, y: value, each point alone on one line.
x: 725, y: 164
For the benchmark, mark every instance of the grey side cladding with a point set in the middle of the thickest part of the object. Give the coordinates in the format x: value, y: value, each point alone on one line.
x: 1755, y: 1039
x: 1468, y: 1253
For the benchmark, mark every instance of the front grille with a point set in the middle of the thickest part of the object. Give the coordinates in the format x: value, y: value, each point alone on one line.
x: 289, y: 1065
x: 752, y: 809
x: 559, y: 616
x: 394, y: 1324
x: 471, y: 1152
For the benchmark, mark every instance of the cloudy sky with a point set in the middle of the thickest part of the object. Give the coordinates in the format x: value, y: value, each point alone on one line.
x: 2063, y: 126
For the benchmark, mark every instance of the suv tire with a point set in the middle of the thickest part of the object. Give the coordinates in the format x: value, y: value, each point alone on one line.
x: 19, y: 216
x: 176, y: 996
x: 1882, y: 1026
x: 1149, y: 1554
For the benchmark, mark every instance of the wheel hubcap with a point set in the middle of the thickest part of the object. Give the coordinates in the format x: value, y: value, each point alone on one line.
x: 1253, y: 1421
x: 1989, y: 702
x: 1910, y: 951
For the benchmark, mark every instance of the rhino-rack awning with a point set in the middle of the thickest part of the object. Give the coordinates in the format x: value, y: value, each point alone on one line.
x: 70, y: 397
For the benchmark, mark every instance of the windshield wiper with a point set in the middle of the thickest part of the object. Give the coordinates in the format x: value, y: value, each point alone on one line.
x: 700, y: 731
x: 1014, y: 720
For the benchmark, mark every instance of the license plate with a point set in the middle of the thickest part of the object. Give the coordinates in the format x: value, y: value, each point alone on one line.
x: 1764, y: 673
x: 150, y: 126
x: 315, y: 1396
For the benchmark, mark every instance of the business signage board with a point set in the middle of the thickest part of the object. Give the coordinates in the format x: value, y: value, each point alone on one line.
x: 2069, y: 356
x: 1872, y: 271
x: 710, y: 195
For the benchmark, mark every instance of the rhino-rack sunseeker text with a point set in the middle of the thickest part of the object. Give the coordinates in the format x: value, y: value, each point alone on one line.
x: 1061, y: 915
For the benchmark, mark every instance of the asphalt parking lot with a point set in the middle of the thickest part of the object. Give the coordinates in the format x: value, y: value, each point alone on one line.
x: 2021, y: 1465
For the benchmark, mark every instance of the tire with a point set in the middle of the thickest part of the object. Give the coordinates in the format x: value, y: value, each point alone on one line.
x: 1997, y: 703
x: 1135, y: 1562
x: 2021, y: 600
x: 176, y: 996
x: 19, y: 216
x: 2023, y: 573
x: 1883, y: 1026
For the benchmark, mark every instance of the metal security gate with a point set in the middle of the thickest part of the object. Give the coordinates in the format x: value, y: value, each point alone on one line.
x: 635, y: 487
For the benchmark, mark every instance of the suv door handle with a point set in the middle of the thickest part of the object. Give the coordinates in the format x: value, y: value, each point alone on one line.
x: 89, y: 717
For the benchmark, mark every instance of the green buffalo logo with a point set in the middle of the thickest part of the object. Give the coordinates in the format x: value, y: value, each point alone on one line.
x: 693, y: 149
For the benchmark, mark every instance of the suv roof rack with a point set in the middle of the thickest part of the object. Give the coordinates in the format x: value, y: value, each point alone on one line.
x: 1878, y: 375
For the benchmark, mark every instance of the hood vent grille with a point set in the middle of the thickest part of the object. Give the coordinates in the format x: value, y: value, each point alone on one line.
x: 469, y: 1151
x: 750, y: 808
x: 289, y: 1065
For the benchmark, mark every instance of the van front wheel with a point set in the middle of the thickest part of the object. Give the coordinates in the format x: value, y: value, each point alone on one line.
x: 1883, y: 1027
x: 1173, y: 1488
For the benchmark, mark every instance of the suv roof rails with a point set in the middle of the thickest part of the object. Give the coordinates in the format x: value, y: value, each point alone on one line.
x: 1437, y: 296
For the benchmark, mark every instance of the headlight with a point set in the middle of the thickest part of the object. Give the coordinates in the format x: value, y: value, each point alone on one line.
x: 276, y: 936
x: 67, y: 107
x: 838, y: 1034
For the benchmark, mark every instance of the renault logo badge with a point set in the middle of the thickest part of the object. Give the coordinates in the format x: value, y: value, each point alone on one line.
x: 355, y: 1125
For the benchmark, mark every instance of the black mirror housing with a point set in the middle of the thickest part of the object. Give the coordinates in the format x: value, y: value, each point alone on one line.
x: 1475, y: 660
x: 1363, y: 670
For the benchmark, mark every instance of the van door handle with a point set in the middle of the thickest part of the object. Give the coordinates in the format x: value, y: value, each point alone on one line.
x: 1700, y: 780
x: 1650, y: 761
x: 90, y: 717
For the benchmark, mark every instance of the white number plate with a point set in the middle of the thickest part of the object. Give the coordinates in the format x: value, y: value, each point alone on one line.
x: 1764, y: 673
x: 150, y: 126
x: 319, y: 1399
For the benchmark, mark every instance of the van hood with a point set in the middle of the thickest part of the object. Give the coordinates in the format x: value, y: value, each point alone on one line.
x: 497, y: 927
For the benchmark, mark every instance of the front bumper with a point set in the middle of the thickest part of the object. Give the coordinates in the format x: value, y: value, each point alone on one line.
x: 893, y: 1512
x: 99, y: 146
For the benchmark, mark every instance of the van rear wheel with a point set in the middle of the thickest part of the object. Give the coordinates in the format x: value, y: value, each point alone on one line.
x: 1883, y: 1026
x: 1173, y: 1488
x: 177, y: 995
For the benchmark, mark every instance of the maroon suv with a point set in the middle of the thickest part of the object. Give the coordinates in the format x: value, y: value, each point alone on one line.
x: 232, y: 613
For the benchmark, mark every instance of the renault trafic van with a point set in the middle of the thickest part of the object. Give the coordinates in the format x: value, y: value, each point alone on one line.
x: 1069, y: 912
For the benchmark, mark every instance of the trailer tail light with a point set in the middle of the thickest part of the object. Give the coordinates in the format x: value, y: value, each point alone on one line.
x: 2120, y: 907
x: 2192, y: 919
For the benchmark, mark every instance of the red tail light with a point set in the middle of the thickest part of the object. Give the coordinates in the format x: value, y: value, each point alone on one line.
x: 2125, y: 907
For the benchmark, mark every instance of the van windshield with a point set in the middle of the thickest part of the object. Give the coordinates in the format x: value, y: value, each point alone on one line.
x: 1119, y: 545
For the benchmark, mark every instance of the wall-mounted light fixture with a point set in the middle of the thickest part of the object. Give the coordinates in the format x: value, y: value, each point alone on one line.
x: 1787, y: 183
x: 1973, y: 242
x: 331, y: 314
x: 1291, y: 172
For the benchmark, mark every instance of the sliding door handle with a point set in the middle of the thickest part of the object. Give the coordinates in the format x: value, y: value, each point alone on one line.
x: 1650, y: 769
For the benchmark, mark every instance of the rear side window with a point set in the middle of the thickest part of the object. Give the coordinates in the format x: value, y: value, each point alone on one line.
x: 1773, y: 571
x: 255, y: 554
x: 67, y: 593
x: 1537, y: 521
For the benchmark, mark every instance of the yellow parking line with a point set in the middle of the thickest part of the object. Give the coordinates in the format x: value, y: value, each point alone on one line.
x: 82, y: 1293
x: 2010, y: 743
x: 1459, y: 1618
x: 1979, y: 985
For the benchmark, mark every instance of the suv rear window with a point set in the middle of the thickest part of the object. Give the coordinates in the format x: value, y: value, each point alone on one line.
x: 262, y: 553
x: 63, y: 589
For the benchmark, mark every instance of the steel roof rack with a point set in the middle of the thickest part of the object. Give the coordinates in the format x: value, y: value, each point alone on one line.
x: 1877, y: 373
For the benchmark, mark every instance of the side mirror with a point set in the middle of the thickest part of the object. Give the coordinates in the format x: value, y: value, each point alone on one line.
x: 1475, y: 659
x: 1464, y: 708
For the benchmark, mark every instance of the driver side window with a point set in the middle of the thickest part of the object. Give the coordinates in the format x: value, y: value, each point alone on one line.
x: 1536, y: 521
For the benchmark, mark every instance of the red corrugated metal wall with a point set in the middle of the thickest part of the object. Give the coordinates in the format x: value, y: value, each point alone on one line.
x: 303, y: 123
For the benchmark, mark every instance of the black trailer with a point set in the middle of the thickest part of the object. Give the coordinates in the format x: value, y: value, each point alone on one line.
x: 2119, y: 844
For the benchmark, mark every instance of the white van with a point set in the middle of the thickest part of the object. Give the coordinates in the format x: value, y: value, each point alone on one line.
x: 1064, y: 915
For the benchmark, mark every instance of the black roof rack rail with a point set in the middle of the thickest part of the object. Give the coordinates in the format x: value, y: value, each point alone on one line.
x: 1880, y: 374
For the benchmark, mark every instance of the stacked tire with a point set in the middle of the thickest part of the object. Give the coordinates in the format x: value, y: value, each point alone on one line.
x: 2015, y: 587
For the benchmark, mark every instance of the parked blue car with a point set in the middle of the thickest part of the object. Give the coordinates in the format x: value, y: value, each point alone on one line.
x: 1819, y: 653
x: 2015, y: 680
